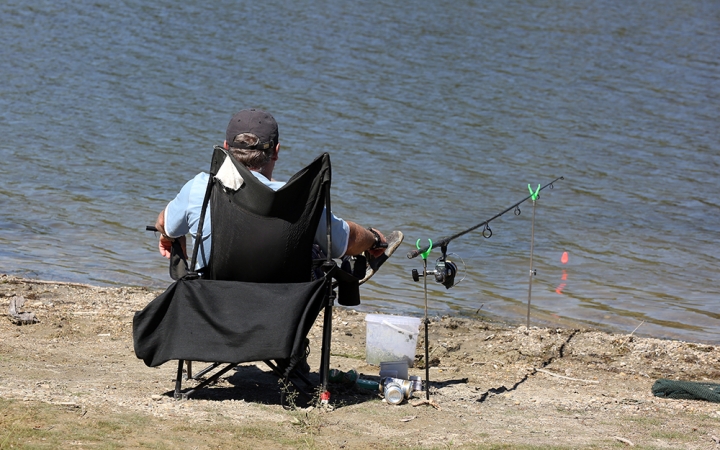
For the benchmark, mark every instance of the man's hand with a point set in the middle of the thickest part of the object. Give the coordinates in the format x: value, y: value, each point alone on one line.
x: 378, y: 251
x: 361, y: 240
x: 165, y: 245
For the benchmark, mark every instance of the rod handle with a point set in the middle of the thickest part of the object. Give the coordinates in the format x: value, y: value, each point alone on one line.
x: 415, y: 253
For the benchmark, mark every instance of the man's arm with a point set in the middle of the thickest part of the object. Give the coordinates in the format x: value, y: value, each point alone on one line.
x: 361, y: 239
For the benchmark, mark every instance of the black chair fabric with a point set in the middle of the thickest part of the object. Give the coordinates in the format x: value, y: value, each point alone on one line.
x: 262, y: 235
x: 227, y: 321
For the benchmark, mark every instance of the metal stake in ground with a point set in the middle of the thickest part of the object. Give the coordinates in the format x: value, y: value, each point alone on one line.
x: 424, y: 255
x: 427, y: 322
x: 534, y: 197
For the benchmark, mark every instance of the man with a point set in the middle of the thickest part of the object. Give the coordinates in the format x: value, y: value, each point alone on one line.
x: 252, y: 139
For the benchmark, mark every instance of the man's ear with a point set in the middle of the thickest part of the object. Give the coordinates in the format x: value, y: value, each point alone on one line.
x: 274, y: 157
x: 225, y: 146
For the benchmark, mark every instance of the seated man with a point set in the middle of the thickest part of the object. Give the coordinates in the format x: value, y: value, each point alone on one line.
x: 252, y: 139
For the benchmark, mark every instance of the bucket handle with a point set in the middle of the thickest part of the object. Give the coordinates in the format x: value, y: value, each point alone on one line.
x: 401, y: 330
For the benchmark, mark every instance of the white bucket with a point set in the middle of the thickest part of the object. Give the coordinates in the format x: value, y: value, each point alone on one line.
x: 391, y: 338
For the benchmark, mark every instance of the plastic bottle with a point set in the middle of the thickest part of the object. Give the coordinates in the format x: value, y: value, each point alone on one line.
x: 367, y: 384
x: 351, y: 378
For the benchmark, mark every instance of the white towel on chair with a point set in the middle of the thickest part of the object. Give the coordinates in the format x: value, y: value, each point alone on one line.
x: 229, y: 176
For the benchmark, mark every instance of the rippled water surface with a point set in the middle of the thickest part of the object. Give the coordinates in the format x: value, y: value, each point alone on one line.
x: 436, y: 116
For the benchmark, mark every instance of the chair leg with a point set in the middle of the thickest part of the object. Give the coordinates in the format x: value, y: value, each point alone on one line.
x: 178, y: 381
x: 325, y: 352
x: 210, y: 380
x: 207, y: 369
x: 288, y: 381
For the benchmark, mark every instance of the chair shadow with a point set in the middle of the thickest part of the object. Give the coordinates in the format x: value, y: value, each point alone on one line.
x: 251, y: 384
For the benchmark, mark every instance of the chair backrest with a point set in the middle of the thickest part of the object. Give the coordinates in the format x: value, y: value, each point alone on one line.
x: 261, y: 235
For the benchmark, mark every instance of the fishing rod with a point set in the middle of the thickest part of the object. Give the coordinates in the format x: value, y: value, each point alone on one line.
x: 487, y: 232
x: 445, y: 270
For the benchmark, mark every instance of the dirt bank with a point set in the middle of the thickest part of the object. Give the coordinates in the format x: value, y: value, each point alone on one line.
x: 494, y: 386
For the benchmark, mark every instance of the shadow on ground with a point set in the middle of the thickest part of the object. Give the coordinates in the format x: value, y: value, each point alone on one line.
x: 251, y: 384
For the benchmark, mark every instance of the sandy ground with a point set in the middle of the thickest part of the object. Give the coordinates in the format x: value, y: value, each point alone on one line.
x: 492, y: 385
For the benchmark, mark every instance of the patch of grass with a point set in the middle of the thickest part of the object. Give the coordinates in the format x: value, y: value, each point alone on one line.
x: 81, y: 394
x: 348, y: 355
x: 670, y: 435
x: 40, y: 425
x: 646, y: 421
x: 29, y: 425
x: 521, y: 447
x: 566, y: 410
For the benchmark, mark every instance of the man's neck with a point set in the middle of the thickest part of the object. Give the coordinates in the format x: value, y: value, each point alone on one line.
x: 267, y: 170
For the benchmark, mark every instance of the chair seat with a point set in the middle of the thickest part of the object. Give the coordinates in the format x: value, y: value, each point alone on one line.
x: 227, y: 321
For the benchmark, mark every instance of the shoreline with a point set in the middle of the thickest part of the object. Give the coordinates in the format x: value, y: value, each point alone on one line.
x: 495, y: 385
x: 538, y: 318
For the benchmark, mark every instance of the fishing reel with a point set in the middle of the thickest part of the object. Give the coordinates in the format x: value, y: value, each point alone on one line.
x: 444, y: 273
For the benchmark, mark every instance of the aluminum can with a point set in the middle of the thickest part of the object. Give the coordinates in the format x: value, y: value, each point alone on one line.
x: 416, y: 383
x: 396, y: 390
x: 394, y: 393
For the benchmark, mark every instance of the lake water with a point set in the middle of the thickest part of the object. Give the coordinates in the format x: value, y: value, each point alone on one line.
x: 437, y: 115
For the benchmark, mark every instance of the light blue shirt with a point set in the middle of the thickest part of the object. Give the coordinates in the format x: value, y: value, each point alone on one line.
x: 182, y: 216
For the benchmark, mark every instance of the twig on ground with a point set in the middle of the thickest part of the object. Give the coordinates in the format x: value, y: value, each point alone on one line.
x: 564, y: 377
x: 427, y: 402
x: 636, y: 328
x: 629, y: 338
x: 626, y: 441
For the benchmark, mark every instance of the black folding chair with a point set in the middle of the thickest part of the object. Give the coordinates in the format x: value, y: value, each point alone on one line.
x: 257, y: 298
